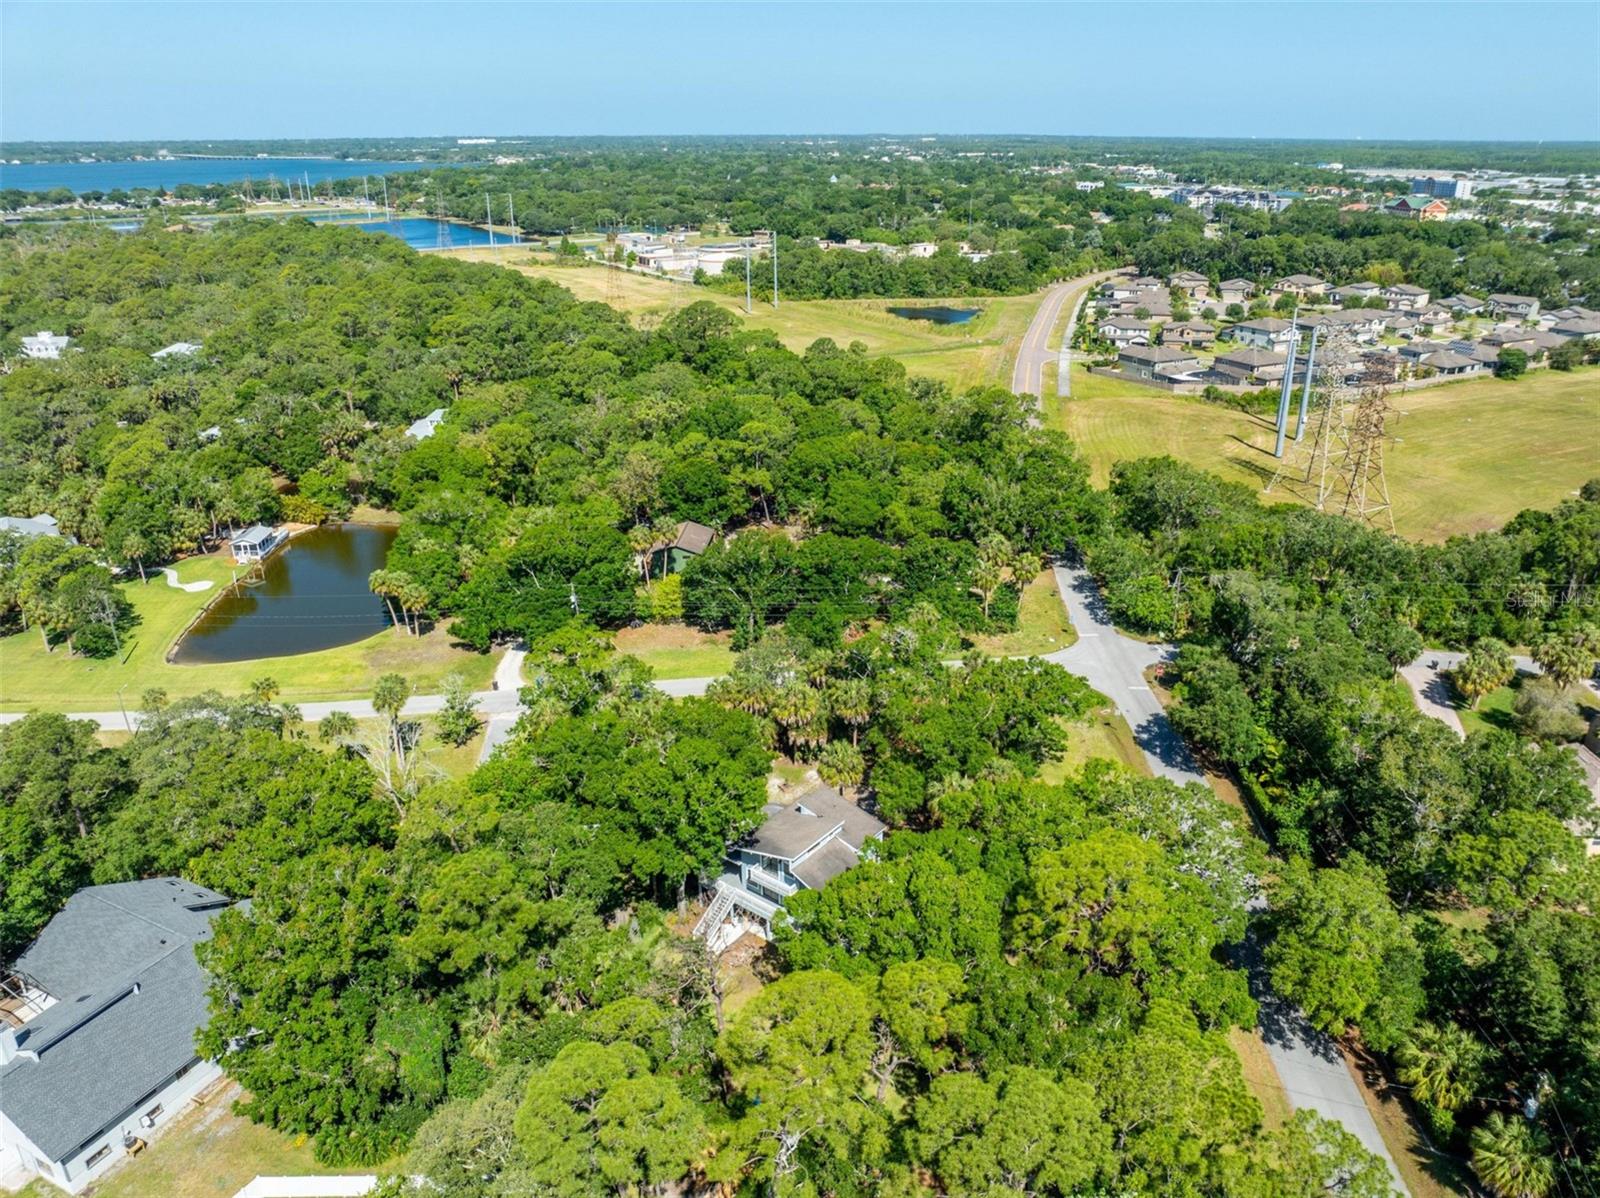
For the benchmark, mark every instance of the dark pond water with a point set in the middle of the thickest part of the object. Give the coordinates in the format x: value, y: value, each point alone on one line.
x: 936, y: 315
x: 314, y: 596
x: 166, y: 174
x: 420, y: 232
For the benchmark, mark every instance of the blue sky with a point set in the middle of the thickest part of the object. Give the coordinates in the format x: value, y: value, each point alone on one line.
x: 1287, y: 69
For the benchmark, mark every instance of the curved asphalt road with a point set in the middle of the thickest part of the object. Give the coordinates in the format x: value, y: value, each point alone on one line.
x: 1027, y: 375
x: 1310, y: 1066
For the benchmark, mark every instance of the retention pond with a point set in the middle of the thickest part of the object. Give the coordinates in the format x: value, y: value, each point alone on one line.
x: 312, y: 594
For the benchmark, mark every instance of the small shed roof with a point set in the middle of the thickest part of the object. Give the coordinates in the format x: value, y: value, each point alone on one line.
x: 694, y: 537
x: 256, y: 534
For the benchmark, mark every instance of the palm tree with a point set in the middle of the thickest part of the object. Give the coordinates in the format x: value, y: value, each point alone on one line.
x: 1511, y: 1157
x: 851, y: 700
x: 1442, y: 1065
x: 1486, y: 667
x: 841, y: 764
x: 382, y: 583
x: 389, y: 695
x: 641, y: 539
x: 1567, y: 657
x: 994, y: 551
x: 414, y: 600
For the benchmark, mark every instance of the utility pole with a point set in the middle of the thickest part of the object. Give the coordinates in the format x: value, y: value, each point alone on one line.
x: 511, y: 207
x: 1305, y: 393
x: 386, y: 200
x: 1288, y: 389
x: 747, y: 280
x: 774, y: 268
x: 488, y: 216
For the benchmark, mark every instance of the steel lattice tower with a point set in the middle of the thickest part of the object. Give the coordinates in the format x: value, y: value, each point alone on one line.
x: 1340, y: 466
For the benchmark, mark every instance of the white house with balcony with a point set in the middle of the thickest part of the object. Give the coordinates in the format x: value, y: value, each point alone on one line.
x: 802, y: 846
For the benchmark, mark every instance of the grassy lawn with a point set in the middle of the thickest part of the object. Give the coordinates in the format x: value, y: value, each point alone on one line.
x: 1102, y: 733
x: 30, y: 677
x: 1464, y: 457
x: 208, y: 1153
x: 1042, y: 624
x: 454, y: 761
x: 1494, y: 709
x: 676, y: 650
x: 980, y: 351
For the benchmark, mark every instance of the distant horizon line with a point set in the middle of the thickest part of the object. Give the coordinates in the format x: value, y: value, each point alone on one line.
x: 1154, y: 137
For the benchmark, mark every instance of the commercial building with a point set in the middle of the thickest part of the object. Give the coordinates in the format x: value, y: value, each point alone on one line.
x: 1457, y: 187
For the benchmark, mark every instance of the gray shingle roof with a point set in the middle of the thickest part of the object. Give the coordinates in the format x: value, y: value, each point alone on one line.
x: 826, y: 864
x: 1157, y: 353
x: 789, y: 831
x: 120, y: 962
x: 693, y: 537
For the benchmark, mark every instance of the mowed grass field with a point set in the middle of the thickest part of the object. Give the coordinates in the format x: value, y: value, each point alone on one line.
x: 980, y: 351
x: 58, y: 681
x: 1463, y: 457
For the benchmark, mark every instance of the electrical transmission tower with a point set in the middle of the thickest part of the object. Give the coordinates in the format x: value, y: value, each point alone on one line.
x: 1359, y: 474
x: 613, y: 271
x: 1339, y: 467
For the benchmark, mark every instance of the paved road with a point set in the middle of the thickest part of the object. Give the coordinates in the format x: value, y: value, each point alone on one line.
x: 1309, y: 1065
x: 1027, y: 375
x: 1436, y: 697
x: 1115, y: 666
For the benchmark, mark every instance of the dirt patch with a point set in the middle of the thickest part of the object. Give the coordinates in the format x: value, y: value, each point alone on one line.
x: 665, y: 636
x: 1261, y: 1077
x: 1428, y: 1171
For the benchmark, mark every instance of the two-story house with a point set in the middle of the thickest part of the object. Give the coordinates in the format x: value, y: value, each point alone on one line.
x: 802, y: 846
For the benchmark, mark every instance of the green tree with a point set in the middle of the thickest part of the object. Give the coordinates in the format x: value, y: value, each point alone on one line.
x: 1486, y: 667
x: 798, y: 1055
x: 1443, y: 1065
x: 1512, y: 1158
x: 1568, y: 656
x: 1021, y: 1132
x: 595, y: 1121
x: 1511, y: 363
x: 458, y: 719
x: 918, y: 1019
x: 336, y: 726
x: 1341, y: 952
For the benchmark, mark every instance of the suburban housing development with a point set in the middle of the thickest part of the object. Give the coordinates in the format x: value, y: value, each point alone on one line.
x: 1398, y: 331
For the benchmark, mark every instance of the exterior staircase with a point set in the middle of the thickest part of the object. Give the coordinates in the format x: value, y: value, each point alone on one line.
x: 719, y: 910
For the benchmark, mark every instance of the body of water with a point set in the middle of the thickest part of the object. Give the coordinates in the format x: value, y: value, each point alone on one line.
x: 420, y: 232
x: 936, y: 315
x: 164, y: 175
x: 314, y: 596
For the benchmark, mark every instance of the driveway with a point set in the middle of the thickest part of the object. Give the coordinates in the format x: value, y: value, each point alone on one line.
x: 1434, y: 695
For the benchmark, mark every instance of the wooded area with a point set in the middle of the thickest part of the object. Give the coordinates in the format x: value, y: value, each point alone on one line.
x: 1027, y: 988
